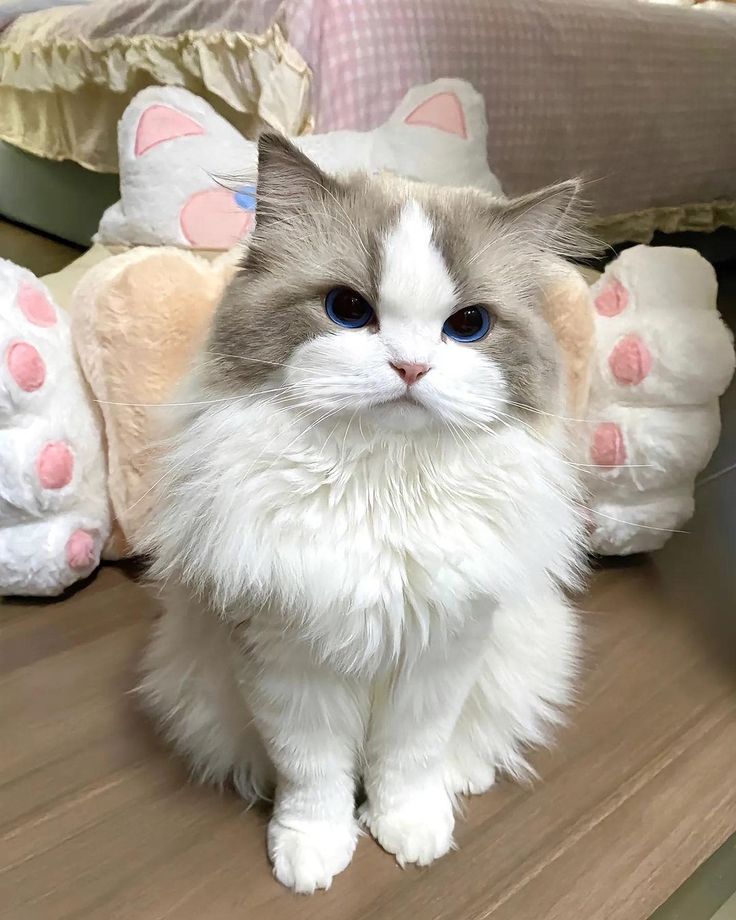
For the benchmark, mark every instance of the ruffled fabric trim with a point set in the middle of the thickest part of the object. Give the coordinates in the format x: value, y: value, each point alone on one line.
x: 116, y: 62
x: 261, y: 77
x: 640, y: 226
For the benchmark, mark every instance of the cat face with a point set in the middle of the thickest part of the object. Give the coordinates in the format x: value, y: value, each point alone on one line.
x: 404, y: 305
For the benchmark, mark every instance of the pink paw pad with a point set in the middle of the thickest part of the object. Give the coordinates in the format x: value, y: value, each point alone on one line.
x: 55, y: 465
x: 613, y: 299
x: 630, y: 360
x: 607, y: 447
x: 80, y: 550
x: 25, y: 366
x: 35, y: 305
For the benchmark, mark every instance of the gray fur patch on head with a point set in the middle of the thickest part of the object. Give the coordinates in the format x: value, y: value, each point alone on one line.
x: 497, y: 253
x: 315, y: 232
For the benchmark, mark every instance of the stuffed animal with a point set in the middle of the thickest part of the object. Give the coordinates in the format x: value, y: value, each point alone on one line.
x: 187, y: 178
x: 645, y: 352
x: 54, y: 509
x: 660, y: 356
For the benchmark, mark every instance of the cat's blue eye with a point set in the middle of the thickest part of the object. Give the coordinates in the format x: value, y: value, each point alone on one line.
x: 347, y: 308
x: 471, y: 324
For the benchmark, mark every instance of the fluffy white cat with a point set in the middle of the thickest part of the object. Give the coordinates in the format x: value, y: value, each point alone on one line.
x: 365, y: 523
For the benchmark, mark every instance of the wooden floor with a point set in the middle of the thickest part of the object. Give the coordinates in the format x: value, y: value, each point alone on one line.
x: 97, y: 822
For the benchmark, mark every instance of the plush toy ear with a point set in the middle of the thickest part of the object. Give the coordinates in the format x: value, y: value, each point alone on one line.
x: 443, y: 111
x: 288, y: 181
x: 160, y: 123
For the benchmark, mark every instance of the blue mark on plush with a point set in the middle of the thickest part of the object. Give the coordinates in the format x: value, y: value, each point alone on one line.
x: 245, y: 198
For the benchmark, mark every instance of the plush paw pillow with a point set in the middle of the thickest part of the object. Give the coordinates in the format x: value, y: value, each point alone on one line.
x: 662, y: 357
x: 54, y: 510
x: 187, y: 177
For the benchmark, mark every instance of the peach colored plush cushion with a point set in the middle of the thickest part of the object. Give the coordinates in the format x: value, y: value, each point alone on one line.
x: 137, y: 320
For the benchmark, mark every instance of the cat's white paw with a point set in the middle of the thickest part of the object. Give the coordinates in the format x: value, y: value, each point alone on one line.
x: 307, y: 854
x: 416, y: 831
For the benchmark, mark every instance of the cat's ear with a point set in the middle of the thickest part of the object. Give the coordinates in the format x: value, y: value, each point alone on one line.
x: 552, y: 219
x: 288, y: 182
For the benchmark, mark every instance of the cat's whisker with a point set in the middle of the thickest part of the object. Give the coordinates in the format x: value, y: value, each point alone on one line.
x: 527, y: 408
x: 241, y: 357
x: 586, y: 511
x: 204, y: 402
x: 301, y: 417
x: 589, y: 468
x: 465, y: 439
x: 347, y: 429
x: 181, y: 405
x: 506, y: 419
x: 453, y: 432
x: 329, y: 436
x: 329, y: 414
x: 170, y: 471
x: 189, y: 483
x: 176, y: 467
x: 309, y: 375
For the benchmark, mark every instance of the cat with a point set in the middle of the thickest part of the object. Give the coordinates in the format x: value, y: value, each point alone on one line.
x: 365, y: 528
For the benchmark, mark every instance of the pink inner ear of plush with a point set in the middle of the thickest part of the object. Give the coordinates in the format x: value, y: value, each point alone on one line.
x: 443, y: 111
x: 212, y: 220
x: 162, y: 123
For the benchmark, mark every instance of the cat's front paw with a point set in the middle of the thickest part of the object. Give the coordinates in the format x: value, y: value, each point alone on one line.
x: 418, y: 830
x: 306, y: 855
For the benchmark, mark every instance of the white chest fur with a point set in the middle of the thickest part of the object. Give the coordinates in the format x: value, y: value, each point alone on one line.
x: 365, y: 547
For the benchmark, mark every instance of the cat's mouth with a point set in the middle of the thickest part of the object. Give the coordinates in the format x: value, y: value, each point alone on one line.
x: 404, y: 399
x: 402, y: 405
x: 405, y: 402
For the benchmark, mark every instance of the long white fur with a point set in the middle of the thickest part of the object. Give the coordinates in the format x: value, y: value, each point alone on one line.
x: 404, y: 571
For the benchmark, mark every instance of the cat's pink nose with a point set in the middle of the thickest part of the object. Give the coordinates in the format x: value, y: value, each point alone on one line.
x: 408, y: 372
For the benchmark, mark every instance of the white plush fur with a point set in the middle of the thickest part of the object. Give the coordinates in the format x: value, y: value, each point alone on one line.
x: 154, y: 186
x: 36, y: 523
x: 670, y: 422
x: 364, y: 587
